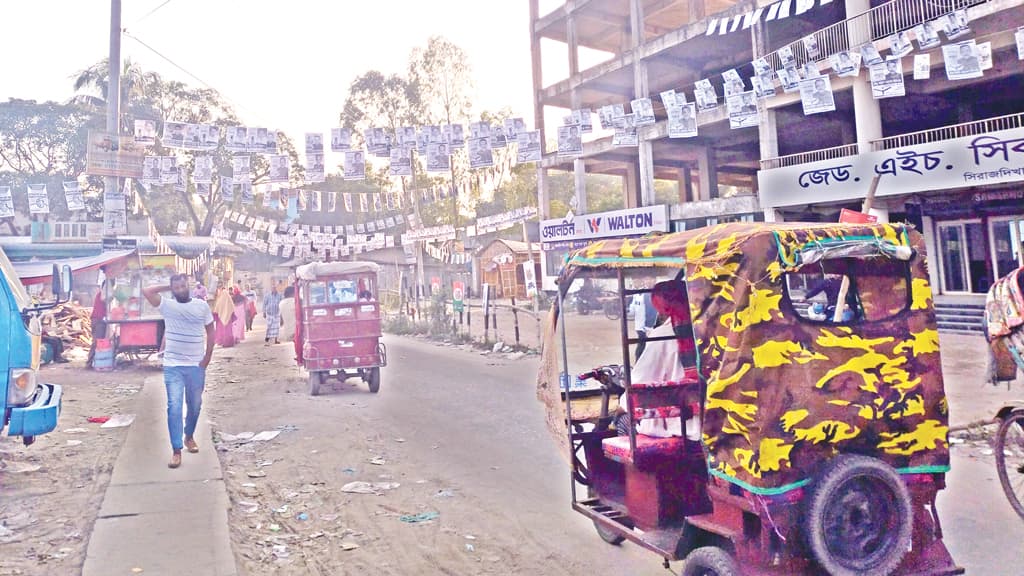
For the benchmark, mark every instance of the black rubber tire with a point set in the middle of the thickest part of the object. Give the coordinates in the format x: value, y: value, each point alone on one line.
x: 613, y: 538
x: 1011, y: 478
x: 710, y: 561
x: 859, y: 517
x: 315, y: 380
x: 373, y: 379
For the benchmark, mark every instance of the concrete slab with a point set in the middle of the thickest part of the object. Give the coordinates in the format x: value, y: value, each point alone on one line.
x: 161, y: 520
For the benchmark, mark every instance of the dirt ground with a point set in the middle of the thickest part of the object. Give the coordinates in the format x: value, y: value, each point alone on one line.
x: 51, y: 491
x: 294, y: 517
x: 289, y: 511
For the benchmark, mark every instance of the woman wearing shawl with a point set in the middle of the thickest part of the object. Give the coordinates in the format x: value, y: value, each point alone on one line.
x: 238, y: 326
x: 223, y: 313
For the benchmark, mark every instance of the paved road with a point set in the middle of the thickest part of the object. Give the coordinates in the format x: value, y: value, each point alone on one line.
x: 489, y: 405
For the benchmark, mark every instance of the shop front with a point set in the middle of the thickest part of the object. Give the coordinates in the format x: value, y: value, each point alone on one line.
x: 977, y: 237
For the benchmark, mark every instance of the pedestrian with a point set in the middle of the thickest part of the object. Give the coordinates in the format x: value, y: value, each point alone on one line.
x: 250, y: 307
x: 644, y: 318
x: 224, y: 312
x: 189, y: 333
x: 199, y: 292
x: 272, y: 312
x: 98, y: 321
x: 287, y: 308
x: 238, y: 326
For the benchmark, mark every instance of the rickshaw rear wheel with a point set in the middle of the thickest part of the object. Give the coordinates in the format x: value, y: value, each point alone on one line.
x: 315, y: 379
x: 710, y: 561
x: 373, y: 379
x: 1009, y: 451
x: 859, y: 517
x: 610, y: 536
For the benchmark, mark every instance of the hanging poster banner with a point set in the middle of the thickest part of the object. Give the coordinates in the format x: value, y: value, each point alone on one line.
x: 887, y: 79
x: 742, y: 108
x: 962, y: 60
x: 816, y: 95
x: 341, y: 139
x: 111, y: 155
x: 38, y: 199
x: 6, y: 202
x: 355, y: 165
x: 278, y: 169
x: 682, y: 121
x: 529, y: 147
x: 145, y: 132
x: 73, y: 196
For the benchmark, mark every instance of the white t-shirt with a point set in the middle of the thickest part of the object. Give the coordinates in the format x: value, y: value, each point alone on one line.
x: 185, y: 330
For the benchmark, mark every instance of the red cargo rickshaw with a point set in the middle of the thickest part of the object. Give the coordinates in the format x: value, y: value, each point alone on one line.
x: 338, y: 323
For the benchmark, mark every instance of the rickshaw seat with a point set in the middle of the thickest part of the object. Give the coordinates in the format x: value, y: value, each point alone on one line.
x: 649, y: 450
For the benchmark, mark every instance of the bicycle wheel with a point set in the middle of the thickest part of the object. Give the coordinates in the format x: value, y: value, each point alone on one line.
x: 1010, y: 459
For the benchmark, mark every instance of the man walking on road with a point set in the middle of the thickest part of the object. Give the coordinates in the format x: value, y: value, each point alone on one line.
x: 188, y: 321
x: 272, y: 312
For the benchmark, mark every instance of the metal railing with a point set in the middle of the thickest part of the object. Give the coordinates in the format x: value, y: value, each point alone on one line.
x: 812, y: 156
x: 985, y: 126
x: 996, y: 124
x: 875, y: 24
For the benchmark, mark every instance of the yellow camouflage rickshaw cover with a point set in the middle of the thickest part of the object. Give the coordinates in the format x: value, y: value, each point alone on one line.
x: 783, y: 393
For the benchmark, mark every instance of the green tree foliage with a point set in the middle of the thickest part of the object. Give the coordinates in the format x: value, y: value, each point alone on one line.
x: 44, y: 143
x: 147, y: 95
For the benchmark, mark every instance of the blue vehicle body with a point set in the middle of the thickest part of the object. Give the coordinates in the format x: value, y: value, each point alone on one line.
x: 29, y: 408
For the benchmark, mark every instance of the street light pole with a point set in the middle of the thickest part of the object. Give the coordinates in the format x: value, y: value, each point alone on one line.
x: 110, y: 183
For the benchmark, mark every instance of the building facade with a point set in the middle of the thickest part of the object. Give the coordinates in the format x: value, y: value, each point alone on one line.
x: 940, y: 124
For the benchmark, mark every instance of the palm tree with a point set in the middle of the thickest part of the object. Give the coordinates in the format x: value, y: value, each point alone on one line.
x: 92, y: 86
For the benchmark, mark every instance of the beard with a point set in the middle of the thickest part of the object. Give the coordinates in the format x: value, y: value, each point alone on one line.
x: 184, y: 299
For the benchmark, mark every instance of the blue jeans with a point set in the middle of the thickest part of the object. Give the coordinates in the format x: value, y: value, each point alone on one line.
x: 187, y: 382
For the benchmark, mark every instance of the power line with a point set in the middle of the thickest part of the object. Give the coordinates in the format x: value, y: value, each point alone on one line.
x: 150, y: 13
x: 191, y: 75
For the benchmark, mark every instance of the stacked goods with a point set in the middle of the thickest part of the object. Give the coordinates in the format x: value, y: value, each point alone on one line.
x: 71, y: 323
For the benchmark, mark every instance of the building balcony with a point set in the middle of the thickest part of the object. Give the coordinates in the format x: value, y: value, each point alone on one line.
x: 975, y: 128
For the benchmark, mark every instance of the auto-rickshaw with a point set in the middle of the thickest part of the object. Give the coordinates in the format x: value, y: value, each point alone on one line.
x: 756, y: 434
x: 338, y: 323
x: 1004, y: 329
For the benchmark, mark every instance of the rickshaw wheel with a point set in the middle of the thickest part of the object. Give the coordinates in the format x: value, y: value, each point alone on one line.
x: 609, y: 536
x: 859, y: 517
x: 710, y: 561
x: 372, y: 379
x: 1010, y: 459
x: 315, y: 379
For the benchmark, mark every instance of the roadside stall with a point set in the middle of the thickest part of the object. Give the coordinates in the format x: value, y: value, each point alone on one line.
x: 136, y: 327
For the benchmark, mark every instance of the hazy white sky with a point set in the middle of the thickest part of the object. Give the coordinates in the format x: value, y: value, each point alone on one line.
x: 284, y: 65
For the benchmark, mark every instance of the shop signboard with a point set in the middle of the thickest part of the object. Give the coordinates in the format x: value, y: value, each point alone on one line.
x: 573, y: 229
x: 980, y: 160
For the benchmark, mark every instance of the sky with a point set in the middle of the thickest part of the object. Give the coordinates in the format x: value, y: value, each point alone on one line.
x: 283, y: 65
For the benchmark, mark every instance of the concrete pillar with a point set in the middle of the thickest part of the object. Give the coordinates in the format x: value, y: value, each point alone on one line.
x: 773, y: 215
x: 632, y: 186
x: 866, y: 112
x: 685, y: 185
x: 767, y: 129
x: 579, y: 168
x: 641, y: 90
x: 543, y: 195
x: 708, y: 174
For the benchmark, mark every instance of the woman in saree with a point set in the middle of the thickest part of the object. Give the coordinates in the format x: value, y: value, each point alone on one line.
x: 223, y: 314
